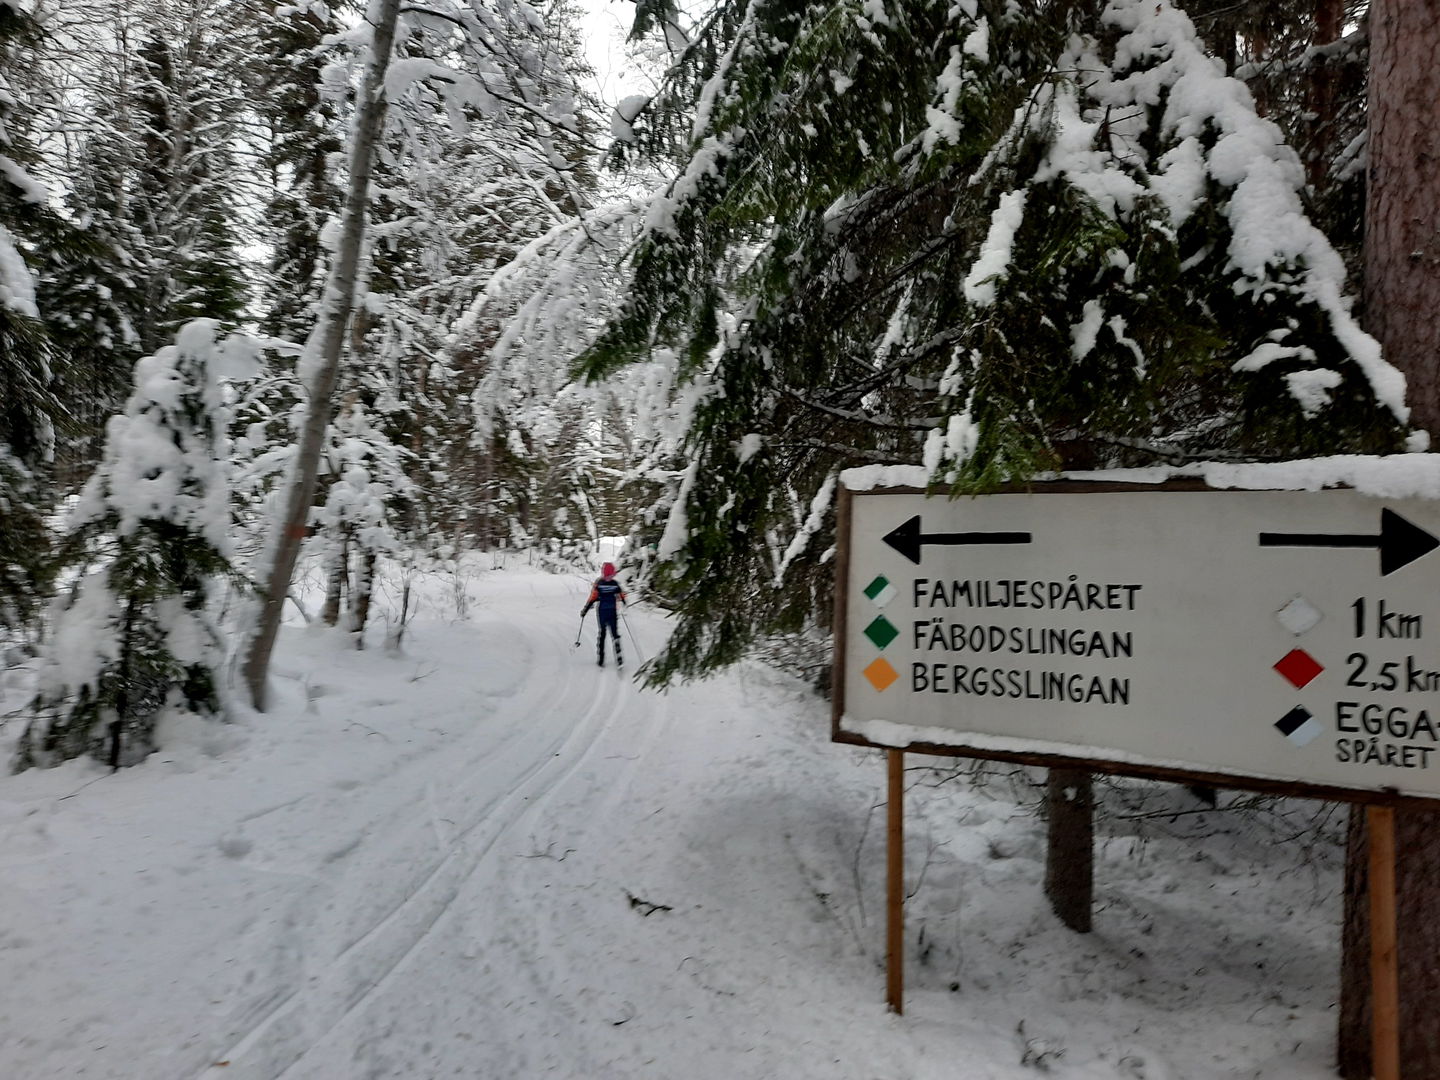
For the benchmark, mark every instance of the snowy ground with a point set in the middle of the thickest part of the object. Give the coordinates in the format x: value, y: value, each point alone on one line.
x: 487, y: 859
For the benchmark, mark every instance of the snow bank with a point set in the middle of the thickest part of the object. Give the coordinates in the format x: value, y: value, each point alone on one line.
x: 489, y: 859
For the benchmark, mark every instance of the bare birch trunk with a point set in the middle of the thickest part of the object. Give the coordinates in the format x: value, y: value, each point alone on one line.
x: 395, y: 638
x: 1402, y: 310
x: 336, y: 581
x: 364, y: 590
x: 322, y: 351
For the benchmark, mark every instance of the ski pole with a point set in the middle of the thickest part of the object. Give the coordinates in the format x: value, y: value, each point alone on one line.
x: 579, y: 630
x: 638, y: 653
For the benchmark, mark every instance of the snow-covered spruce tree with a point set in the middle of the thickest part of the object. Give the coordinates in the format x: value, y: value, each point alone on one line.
x: 367, y: 496
x: 992, y: 238
x: 93, y: 296
x: 187, y: 111
x: 1306, y: 62
x: 482, y: 157
x: 152, y: 123
x: 305, y: 131
x: 27, y: 405
x: 149, y: 536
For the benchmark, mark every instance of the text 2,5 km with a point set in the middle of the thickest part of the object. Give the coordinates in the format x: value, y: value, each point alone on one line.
x: 1406, y: 676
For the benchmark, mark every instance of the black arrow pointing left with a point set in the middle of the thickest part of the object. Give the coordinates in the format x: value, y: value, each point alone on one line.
x: 908, y: 539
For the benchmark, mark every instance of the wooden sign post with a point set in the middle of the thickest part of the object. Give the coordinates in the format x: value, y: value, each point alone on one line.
x: 1265, y: 640
x: 895, y: 884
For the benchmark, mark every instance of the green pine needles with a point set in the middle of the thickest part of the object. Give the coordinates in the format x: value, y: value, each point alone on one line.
x: 28, y: 407
x: 993, y: 238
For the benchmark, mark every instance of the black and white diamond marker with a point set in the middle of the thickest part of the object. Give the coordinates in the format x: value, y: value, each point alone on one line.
x: 1299, y: 726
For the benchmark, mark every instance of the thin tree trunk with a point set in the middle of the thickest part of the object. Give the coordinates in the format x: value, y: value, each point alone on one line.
x: 336, y: 580
x: 122, y: 698
x: 364, y: 589
x: 1353, y: 1054
x: 322, y: 352
x: 395, y: 639
x: 1070, y: 858
x: 1320, y: 94
x: 1402, y: 310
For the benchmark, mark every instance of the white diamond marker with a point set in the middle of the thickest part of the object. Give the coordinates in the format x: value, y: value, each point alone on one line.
x: 1299, y: 616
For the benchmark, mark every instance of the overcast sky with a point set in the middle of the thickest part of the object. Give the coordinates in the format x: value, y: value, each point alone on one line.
x: 606, y: 24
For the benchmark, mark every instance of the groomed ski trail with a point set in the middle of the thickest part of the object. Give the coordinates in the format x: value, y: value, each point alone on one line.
x: 547, y: 734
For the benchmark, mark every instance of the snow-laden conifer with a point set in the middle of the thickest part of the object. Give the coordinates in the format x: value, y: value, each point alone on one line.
x: 368, y: 500
x: 151, y: 101
x: 27, y: 406
x: 187, y: 110
x: 296, y: 41
x: 995, y: 238
x: 149, y: 540
x: 94, y: 291
x: 480, y: 158
x: 1150, y: 278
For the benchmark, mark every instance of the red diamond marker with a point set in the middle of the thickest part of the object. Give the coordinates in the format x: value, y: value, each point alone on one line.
x: 1299, y: 667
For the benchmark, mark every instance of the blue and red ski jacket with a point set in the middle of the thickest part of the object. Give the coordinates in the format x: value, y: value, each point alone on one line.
x: 605, y: 592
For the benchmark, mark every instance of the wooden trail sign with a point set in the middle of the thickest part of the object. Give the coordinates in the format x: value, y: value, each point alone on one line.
x: 1287, y: 641
x: 1280, y: 641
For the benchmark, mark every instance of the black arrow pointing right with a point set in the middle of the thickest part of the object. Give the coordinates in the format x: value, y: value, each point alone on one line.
x: 1400, y: 542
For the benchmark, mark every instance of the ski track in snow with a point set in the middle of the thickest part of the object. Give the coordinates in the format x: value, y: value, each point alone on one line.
x: 296, y: 1028
x: 488, y: 860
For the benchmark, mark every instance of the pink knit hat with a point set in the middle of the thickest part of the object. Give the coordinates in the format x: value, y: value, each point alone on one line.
x: 608, y: 570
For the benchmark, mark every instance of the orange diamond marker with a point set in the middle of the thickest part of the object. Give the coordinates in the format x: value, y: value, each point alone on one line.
x: 880, y: 674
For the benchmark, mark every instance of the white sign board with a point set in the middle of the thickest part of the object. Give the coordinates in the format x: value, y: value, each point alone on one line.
x: 1279, y: 636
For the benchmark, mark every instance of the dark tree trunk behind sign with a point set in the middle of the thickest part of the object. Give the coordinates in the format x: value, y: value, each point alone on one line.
x: 1402, y: 310
x: 1402, y: 201
x: 1070, y: 860
x: 1318, y: 134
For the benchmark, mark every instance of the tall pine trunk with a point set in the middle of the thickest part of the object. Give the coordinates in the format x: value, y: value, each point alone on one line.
x: 323, y: 349
x: 1320, y: 93
x: 1402, y: 310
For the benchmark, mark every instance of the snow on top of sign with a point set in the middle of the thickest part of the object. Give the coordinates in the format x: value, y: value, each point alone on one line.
x: 871, y: 477
x: 1395, y: 476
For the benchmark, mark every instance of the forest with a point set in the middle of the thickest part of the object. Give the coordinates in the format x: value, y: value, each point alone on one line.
x: 363, y: 287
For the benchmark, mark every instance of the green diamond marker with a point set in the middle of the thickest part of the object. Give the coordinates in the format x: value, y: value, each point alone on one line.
x: 880, y: 591
x: 881, y: 632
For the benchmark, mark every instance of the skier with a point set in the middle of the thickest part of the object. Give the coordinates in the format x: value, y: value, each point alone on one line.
x: 609, y: 595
